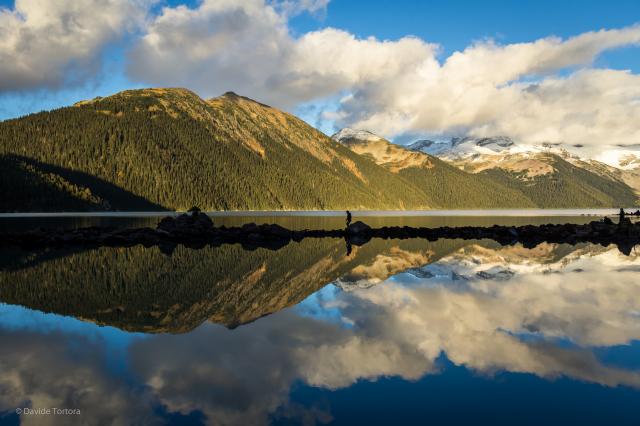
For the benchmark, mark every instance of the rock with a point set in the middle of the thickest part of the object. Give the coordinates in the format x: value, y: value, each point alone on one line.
x: 278, y: 231
x: 186, y: 224
x: 358, y: 239
x: 196, y: 230
x: 249, y: 227
x: 167, y: 224
x: 203, y: 221
x: 358, y: 228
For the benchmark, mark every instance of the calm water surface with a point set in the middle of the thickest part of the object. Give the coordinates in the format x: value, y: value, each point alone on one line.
x: 399, y: 332
x: 310, y: 219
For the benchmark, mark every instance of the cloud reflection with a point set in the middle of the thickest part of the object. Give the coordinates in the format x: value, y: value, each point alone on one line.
x: 401, y: 329
x: 545, y: 319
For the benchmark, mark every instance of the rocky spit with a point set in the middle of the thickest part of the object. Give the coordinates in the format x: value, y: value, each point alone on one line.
x: 196, y: 230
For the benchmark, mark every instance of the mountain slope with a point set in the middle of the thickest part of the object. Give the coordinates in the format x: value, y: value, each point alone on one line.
x: 175, y: 150
x: 444, y: 185
x: 566, y: 186
x: 550, y: 176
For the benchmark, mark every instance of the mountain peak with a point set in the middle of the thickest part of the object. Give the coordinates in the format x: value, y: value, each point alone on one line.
x: 420, y: 144
x: 462, y: 146
x: 231, y: 96
x: 348, y: 134
x: 489, y: 142
x: 157, y: 92
x: 169, y: 94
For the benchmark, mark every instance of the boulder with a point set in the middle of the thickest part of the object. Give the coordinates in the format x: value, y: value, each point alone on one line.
x: 358, y: 228
x: 191, y: 223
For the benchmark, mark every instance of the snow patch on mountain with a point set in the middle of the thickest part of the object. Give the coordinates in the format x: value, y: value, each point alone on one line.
x: 468, y: 148
x: 348, y: 133
x: 471, y: 148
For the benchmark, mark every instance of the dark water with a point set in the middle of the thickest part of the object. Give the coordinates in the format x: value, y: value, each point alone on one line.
x: 399, y: 332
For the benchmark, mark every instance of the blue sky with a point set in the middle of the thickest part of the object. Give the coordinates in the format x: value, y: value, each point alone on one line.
x: 121, y: 58
x: 456, y: 23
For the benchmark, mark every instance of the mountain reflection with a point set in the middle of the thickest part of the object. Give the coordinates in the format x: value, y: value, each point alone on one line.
x: 395, y: 309
x: 141, y: 289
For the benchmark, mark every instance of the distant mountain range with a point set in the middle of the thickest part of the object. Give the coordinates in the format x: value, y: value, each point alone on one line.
x: 547, y: 175
x: 155, y: 149
x: 474, y: 154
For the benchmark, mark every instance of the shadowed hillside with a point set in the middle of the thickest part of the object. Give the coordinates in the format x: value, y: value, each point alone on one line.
x: 29, y: 185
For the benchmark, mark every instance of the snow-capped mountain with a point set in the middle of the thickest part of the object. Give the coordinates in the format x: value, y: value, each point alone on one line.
x: 620, y: 157
x: 613, y: 172
x: 392, y: 156
x: 347, y: 134
x: 459, y: 147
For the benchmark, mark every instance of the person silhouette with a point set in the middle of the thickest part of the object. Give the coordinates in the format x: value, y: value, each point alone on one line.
x: 348, y: 218
x: 621, y: 214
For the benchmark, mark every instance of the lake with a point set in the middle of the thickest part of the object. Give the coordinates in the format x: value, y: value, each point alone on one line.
x: 398, y: 332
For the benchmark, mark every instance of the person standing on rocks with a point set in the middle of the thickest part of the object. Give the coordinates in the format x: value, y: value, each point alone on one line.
x: 348, y: 218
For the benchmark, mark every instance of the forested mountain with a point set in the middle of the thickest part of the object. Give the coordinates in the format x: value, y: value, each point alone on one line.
x: 443, y: 185
x: 566, y: 186
x: 523, y: 179
x: 167, y: 148
x: 136, y: 289
x: 154, y: 149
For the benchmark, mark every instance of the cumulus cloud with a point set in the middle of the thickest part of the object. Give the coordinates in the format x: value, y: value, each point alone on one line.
x: 45, y: 44
x: 545, y: 90
x: 247, y: 47
x: 401, y: 86
x: 513, y: 90
x: 48, y: 370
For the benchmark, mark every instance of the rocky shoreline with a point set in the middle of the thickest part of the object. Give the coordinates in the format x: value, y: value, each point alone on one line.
x: 196, y: 230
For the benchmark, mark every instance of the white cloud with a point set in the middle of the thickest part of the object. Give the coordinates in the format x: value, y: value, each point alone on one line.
x: 47, y: 370
x: 247, y: 47
x: 47, y: 43
x: 399, y: 86
x: 483, y: 90
x: 544, y: 90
